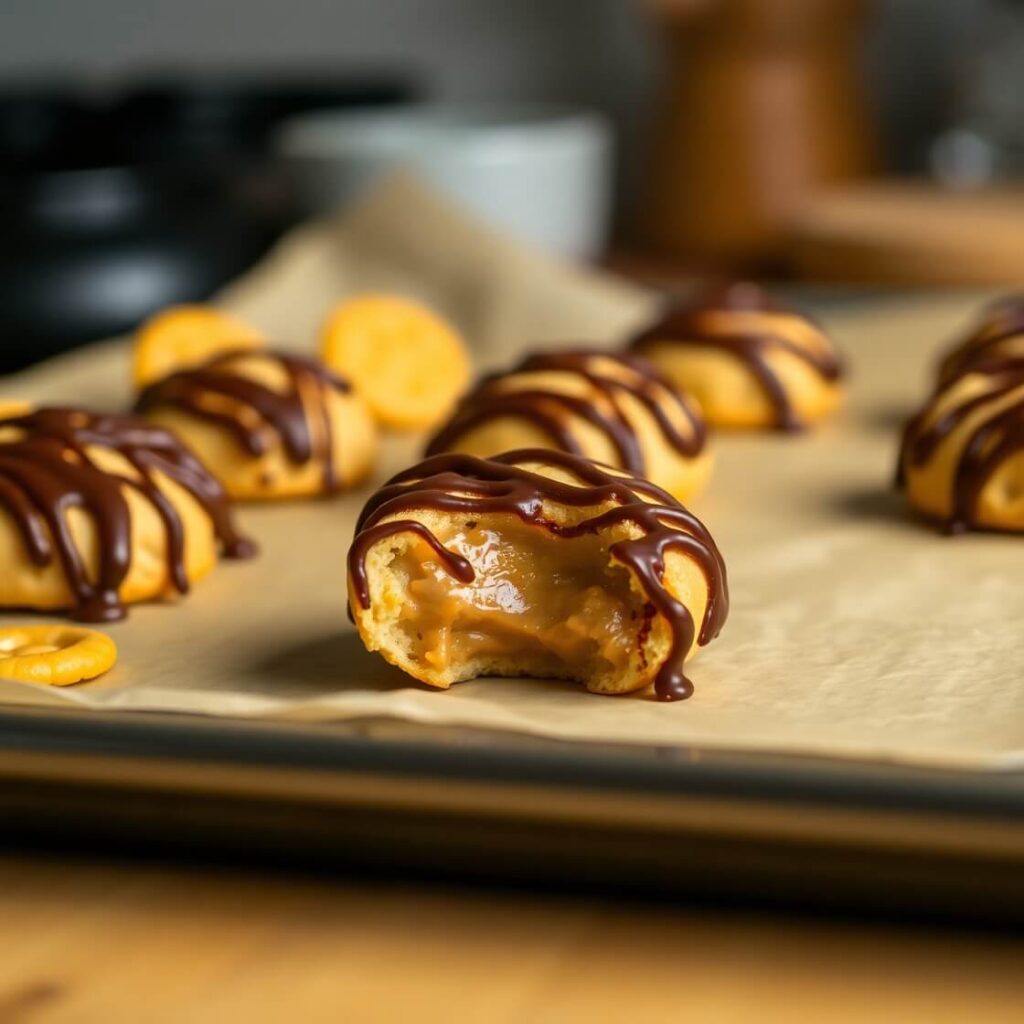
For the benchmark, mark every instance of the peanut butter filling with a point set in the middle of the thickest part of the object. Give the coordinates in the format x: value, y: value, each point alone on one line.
x: 538, y: 604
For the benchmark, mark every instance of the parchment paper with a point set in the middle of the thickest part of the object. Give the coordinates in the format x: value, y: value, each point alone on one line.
x: 855, y: 631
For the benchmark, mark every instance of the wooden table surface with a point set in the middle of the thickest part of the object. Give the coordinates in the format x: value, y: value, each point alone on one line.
x: 108, y: 942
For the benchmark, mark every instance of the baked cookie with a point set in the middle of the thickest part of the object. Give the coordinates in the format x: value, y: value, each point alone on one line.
x: 998, y: 335
x: 408, y: 362
x: 612, y: 408
x: 97, y: 512
x: 535, y: 563
x: 181, y: 337
x: 268, y: 425
x: 748, y: 361
x: 961, y: 459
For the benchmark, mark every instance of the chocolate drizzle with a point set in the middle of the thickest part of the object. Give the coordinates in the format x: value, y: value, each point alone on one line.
x: 993, y: 441
x: 251, y: 411
x: 465, y: 485
x: 690, y: 324
x: 48, y: 471
x: 1000, y: 324
x: 553, y: 411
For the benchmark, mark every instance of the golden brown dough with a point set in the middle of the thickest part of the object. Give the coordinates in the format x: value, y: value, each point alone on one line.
x: 748, y: 361
x: 612, y: 408
x: 97, y: 512
x: 535, y: 563
x: 268, y: 425
x: 962, y: 456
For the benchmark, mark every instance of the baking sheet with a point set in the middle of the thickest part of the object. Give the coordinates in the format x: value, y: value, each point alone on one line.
x: 855, y: 631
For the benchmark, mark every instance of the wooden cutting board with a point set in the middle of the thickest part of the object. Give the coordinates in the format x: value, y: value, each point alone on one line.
x: 911, y: 233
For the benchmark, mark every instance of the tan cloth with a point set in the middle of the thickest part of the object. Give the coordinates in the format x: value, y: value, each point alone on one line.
x: 854, y: 631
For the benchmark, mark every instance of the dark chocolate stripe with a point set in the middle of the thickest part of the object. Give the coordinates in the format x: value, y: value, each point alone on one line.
x: 983, y: 345
x: 996, y: 439
x: 286, y: 414
x: 552, y: 411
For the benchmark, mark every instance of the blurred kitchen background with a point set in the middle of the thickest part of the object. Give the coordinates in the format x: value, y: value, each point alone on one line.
x: 150, y: 151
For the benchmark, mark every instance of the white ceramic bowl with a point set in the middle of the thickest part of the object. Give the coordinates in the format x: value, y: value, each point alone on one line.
x: 542, y: 173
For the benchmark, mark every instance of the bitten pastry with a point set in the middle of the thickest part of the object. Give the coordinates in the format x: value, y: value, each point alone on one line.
x: 97, y: 512
x: 962, y: 456
x: 268, y: 425
x: 535, y: 563
x: 748, y: 361
x: 999, y: 334
x: 616, y: 409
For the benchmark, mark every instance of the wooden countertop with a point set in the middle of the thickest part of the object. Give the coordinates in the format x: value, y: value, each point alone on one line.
x: 83, y: 942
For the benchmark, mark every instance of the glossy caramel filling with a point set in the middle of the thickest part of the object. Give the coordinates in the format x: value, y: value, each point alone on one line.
x: 538, y: 605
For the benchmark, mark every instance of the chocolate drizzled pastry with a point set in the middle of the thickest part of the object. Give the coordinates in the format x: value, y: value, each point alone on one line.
x: 789, y: 358
x: 535, y: 562
x: 961, y: 457
x: 53, y: 460
x: 615, y: 408
x: 265, y: 402
x: 998, y: 335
